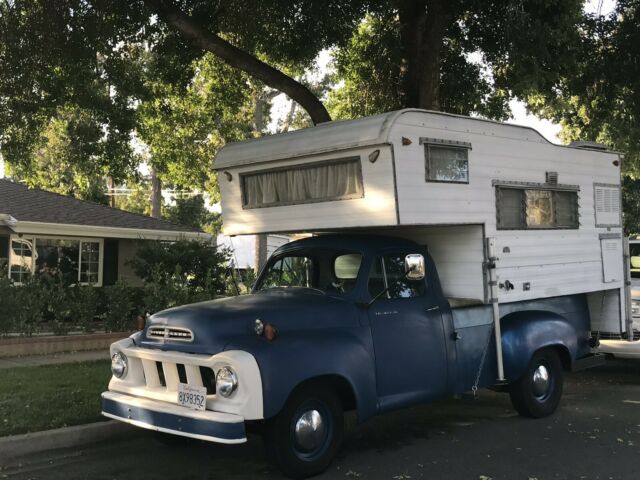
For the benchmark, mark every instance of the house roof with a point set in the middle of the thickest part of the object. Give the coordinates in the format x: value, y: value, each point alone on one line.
x: 34, y: 209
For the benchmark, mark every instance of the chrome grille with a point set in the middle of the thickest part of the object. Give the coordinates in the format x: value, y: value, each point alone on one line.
x: 170, y: 333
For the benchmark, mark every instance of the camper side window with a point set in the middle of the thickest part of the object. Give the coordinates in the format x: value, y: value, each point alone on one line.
x: 536, y: 208
x: 446, y: 163
x: 307, y: 183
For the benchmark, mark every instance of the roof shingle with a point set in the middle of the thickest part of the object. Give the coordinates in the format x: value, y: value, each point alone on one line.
x: 35, y: 205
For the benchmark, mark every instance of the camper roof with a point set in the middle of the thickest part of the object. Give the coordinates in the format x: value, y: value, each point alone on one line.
x: 340, y: 135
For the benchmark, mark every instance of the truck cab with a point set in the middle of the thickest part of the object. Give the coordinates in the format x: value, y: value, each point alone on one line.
x: 335, y: 323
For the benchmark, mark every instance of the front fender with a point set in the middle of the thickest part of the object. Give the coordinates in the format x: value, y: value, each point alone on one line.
x: 523, y: 333
x: 295, y: 357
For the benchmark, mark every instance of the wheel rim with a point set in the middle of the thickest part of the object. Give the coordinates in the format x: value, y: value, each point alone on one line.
x: 541, y: 382
x: 311, y: 430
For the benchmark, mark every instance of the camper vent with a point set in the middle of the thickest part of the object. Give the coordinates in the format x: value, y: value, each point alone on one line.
x: 588, y: 145
x: 552, y: 178
x: 607, y: 200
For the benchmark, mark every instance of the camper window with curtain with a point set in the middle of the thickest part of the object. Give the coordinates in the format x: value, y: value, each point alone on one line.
x: 520, y: 208
x: 317, y: 182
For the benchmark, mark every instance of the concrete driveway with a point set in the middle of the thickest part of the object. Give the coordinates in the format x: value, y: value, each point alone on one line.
x: 595, y: 435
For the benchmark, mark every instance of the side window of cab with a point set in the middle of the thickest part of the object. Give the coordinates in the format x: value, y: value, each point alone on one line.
x: 388, y: 272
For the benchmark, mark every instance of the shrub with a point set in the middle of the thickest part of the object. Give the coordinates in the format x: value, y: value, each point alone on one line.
x: 174, y: 274
x: 192, y: 264
x: 119, y: 307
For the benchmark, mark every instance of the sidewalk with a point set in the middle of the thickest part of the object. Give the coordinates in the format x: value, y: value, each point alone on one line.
x: 54, y: 359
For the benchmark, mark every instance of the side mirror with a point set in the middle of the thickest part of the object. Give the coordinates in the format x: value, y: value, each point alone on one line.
x: 414, y: 268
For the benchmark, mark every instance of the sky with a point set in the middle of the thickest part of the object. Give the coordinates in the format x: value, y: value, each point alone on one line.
x: 520, y: 116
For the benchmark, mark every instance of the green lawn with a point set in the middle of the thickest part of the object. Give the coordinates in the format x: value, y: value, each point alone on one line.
x: 51, y: 396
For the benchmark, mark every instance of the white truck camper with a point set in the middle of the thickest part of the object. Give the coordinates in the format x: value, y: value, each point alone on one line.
x: 444, y: 254
x: 476, y: 192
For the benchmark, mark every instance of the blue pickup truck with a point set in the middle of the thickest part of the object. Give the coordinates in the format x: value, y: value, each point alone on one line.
x: 336, y: 323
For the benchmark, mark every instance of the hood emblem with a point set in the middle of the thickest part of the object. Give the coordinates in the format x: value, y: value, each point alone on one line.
x: 170, y: 333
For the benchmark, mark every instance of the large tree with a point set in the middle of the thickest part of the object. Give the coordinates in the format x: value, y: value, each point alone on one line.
x: 599, y: 98
x: 134, y: 69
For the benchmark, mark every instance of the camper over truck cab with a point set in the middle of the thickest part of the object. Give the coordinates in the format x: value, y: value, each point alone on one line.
x: 445, y: 254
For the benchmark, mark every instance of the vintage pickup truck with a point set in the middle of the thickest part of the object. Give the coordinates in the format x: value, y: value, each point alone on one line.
x: 336, y: 322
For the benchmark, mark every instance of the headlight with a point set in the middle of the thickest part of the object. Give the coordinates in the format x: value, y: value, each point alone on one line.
x: 119, y: 364
x: 226, y: 381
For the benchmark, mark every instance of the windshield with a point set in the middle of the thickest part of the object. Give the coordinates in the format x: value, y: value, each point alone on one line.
x: 329, y: 271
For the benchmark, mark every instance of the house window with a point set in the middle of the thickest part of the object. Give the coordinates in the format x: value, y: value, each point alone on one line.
x: 20, y: 259
x: 75, y: 260
x: 89, y: 262
x: 536, y: 208
x: 446, y: 161
x: 318, y: 182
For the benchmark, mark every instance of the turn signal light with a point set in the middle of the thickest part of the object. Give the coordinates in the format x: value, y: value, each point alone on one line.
x: 270, y: 332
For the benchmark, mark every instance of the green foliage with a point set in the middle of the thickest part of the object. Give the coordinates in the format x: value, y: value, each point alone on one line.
x: 197, y: 265
x: 192, y: 211
x: 599, y: 97
x: 491, y: 52
x: 120, y: 307
x: 631, y: 204
x: 185, y: 126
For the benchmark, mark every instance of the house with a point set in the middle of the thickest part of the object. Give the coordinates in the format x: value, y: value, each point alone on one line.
x: 92, y: 243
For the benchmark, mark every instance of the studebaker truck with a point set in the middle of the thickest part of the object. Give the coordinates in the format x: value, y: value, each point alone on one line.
x: 336, y: 322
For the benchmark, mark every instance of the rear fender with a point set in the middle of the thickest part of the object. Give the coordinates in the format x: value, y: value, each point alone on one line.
x: 524, y: 333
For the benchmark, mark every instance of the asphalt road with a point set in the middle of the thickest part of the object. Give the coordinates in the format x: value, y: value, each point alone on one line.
x: 594, y: 435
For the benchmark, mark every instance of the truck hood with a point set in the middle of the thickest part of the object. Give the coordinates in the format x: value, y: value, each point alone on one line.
x: 215, y: 323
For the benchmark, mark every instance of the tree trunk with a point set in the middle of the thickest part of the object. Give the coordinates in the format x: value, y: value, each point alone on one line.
x: 111, y: 185
x: 201, y: 37
x: 423, y: 25
x: 412, y: 15
x: 260, y: 251
x: 156, y: 195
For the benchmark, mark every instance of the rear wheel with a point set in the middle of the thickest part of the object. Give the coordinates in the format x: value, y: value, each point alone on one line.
x: 537, y: 393
x: 304, y: 437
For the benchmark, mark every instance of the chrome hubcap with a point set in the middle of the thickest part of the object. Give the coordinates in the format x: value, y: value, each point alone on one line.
x: 310, y: 430
x: 541, y: 381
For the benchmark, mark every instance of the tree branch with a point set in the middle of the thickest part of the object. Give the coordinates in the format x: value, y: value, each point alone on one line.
x: 237, y: 58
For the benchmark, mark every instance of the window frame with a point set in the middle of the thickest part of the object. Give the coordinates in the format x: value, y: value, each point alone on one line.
x: 523, y: 187
x: 441, y: 143
x: 387, y: 296
x: 334, y: 161
x: 80, y: 240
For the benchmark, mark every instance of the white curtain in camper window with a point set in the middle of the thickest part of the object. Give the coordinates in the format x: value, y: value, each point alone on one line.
x: 303, y: 184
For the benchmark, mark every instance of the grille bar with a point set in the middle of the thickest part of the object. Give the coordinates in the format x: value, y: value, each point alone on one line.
x: 170, y: 333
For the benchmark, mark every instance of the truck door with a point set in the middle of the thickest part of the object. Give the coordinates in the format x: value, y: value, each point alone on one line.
x: 408, y: 335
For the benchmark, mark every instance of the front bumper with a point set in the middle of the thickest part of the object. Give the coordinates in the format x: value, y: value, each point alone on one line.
x: 164, y: 417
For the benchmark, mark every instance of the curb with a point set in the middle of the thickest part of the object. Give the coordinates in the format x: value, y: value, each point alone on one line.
x: 66, y: 437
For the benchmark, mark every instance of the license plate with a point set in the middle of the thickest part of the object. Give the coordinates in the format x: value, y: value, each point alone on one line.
x: 191, y: 396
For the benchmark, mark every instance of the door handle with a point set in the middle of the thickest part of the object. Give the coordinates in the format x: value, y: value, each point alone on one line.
x: 432, y: 309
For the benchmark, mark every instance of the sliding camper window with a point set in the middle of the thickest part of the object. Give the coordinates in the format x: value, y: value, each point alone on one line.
x: 521, y: 208
x: 317, y: 182
x: 446, y: 161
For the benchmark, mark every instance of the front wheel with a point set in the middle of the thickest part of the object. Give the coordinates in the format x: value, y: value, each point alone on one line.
x: 304, y: 437
x: 537, y: 392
